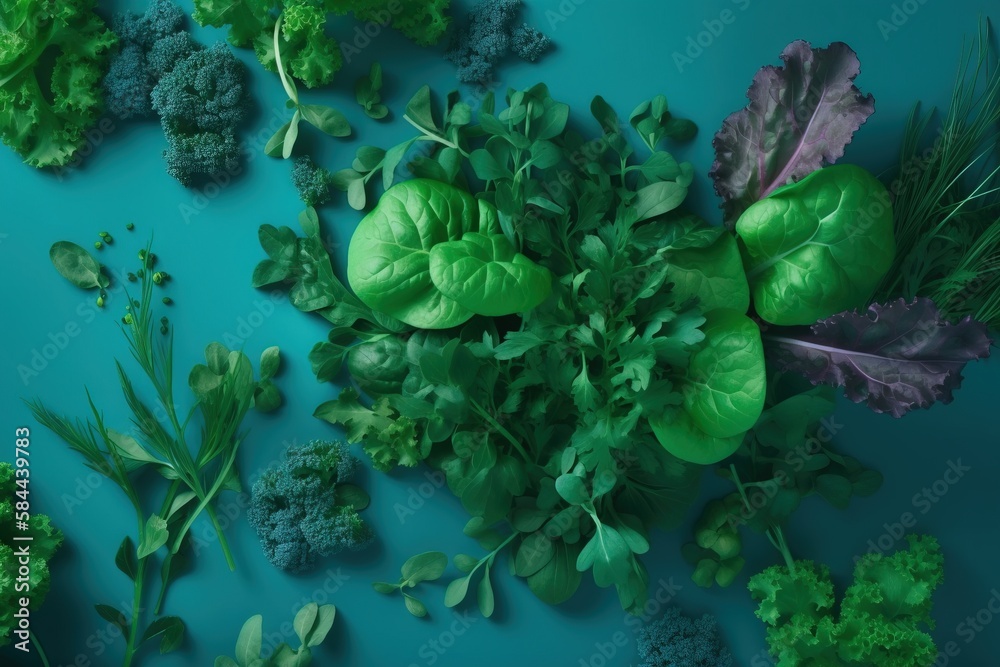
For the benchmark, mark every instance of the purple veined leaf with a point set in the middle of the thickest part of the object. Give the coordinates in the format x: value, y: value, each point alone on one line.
x: 897, y: 357
x: 801, y: 116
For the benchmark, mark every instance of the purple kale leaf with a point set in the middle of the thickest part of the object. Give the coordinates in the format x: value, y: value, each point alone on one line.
x: 800, y: 117
x: 897, y: 357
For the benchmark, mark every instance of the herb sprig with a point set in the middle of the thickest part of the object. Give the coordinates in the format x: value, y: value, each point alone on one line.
x: 225, y: 390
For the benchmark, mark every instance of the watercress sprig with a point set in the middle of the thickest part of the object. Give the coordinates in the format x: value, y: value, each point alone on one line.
x: 324, y: 118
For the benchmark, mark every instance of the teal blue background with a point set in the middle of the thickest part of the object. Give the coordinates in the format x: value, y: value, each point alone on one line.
x: 621, y: 50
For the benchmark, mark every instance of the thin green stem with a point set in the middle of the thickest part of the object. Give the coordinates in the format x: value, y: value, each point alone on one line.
x: 290, y: 89
x: 38, y: 648
x: 131, y: 647
x: 435, y: 137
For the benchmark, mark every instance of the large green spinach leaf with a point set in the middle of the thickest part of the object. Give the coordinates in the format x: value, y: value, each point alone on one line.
x: 486, y: 275
x: 819, y: 246
x: 388, y: 263
x: 723, y: 392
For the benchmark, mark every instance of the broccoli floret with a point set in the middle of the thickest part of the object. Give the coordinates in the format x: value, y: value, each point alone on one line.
x: 201, y: 101
x: 131, y: 76
x: 203, y: 93
x: 45, y: 539
x: 193, y: 156
x: 127, y: 84
x: 676, y: 640
x: 167, y: 53
x: 490, y: 34
x: 295, y: 511
x: 311, y: 180
x: 529, y: 43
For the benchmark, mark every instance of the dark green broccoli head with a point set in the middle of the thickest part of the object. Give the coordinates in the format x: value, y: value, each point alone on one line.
x: 193, y: 156
x: 677, y: 639
x: 203, y: 93
x: 131, y: 75
x: 294, y: 508
x: 311, y: 180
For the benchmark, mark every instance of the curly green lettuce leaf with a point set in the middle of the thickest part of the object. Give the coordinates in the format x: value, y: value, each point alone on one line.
x: 388, y: 438
x: 46, y: 106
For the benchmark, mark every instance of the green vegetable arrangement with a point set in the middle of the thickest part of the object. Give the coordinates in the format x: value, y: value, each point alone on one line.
x: 45, y: 540
x: 546, y: 425
x: 536, y: 316
x: 225, y: 390
x: 44, y: 117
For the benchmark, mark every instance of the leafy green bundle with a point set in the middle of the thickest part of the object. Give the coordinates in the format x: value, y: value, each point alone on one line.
x: 543, y: 423
x: 225, y: 390
x: 947, y: 198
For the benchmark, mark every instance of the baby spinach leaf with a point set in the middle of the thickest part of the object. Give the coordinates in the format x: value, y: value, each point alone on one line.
x: 486, y: 275
x: 725, y: 386
x: 708, y: 267
x: 679, y: 435
x: 424, y: 567
x: 77, y: 266
x: 819, y: 246
x: 389, y: 256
